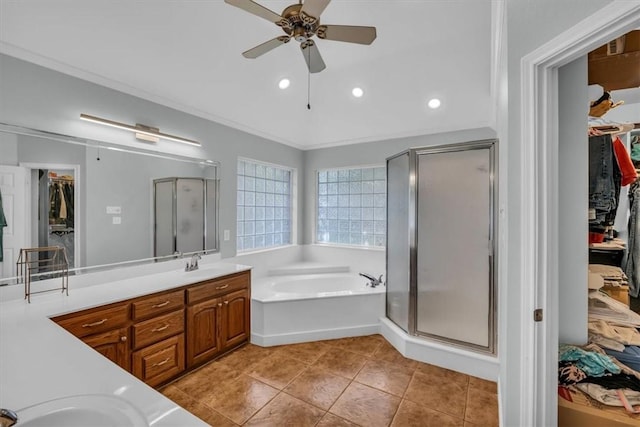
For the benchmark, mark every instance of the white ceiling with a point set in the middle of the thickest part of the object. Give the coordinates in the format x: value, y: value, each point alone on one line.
x: 187, y: 55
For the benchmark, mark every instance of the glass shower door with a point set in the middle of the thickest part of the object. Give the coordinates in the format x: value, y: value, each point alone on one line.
x: 399, y: 239
x: 454, y: 298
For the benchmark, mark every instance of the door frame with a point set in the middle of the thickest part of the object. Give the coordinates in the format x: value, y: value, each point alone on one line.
x: 538, y: 165
x: 77, y: 206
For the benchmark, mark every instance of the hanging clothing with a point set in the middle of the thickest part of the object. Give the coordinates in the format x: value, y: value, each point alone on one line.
x: 632, y: 266
x: 628, y: 171
x: 67, y: 191
x: 604, y: 181
x: 3, y: 224
x: 61, y: 201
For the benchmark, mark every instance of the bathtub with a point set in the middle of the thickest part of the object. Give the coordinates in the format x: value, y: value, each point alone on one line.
x: 287, y: 309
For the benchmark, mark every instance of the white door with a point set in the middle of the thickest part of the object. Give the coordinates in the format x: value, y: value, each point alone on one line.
x: 13, y: 186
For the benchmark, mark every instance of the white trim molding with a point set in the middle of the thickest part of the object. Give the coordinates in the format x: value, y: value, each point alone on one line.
x: 538, y: 197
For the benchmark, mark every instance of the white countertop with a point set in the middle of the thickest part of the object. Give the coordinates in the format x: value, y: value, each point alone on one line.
x: 40, y: 361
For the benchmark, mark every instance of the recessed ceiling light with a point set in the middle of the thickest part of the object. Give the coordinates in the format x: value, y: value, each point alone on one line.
x: 434, y: 103
x: 284, y: 83
x: 357, y: 92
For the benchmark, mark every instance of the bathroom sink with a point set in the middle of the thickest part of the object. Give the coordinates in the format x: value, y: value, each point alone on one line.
x: 96, y: 410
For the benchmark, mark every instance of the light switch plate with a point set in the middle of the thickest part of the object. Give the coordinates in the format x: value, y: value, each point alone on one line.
x: 117, y: 220
x: 114, y: 210
x: 227, y: 235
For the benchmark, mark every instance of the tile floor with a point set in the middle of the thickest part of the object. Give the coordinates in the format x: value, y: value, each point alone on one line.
x: 346, y: 382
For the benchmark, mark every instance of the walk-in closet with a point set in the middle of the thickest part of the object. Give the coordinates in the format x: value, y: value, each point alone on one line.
x: 599, y: 372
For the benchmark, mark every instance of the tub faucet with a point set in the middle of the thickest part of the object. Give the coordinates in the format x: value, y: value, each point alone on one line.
x: 193, y: 264
x: 373, y: 282
x: 8, y: 418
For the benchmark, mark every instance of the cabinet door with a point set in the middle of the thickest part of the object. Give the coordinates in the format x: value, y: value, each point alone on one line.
x: 236, y: 325
x: 111, y: 344
x: 203, y: 331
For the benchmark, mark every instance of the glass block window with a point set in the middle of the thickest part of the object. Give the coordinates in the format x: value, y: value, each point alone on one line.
x: 352, y: 206
x: 264, y: 206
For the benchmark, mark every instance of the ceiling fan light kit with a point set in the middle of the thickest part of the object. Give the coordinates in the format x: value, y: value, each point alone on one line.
x: 302, y: 22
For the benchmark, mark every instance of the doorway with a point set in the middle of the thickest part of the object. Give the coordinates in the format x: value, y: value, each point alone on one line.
x: 53, y: 208
x: 541, y: 126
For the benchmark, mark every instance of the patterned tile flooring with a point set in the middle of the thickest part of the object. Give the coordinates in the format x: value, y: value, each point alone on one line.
x: 346, y: 382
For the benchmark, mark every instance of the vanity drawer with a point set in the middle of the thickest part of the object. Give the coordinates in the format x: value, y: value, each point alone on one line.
x: 158, y: 304
x: 218, y: 287
x: 159, y: 362
x: 157, y: 329
x: 94, y: 321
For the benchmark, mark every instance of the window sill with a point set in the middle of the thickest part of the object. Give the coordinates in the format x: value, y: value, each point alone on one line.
x: 344, y: 246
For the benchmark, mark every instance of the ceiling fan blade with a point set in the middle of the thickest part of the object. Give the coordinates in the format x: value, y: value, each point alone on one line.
x: 265, y: 47
x: 256, y: 9
x: 314, y: 7
x: 312, y: 56
x: 347, y: 33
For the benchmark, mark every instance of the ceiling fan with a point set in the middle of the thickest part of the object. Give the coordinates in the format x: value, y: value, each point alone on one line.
x: 302, y: 22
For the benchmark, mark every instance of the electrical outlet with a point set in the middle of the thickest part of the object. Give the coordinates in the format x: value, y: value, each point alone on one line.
x: 114, y: 210
x: 117, y: 220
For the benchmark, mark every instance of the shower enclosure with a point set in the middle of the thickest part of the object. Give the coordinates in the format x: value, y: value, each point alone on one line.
x: 441, y: 225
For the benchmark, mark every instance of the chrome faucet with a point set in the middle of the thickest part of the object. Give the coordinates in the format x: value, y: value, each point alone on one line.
x: 8, y: 418
x: 373, y: 282
x: 193, y: 264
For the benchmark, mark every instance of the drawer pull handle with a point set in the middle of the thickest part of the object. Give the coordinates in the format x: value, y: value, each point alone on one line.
x: 226, y: 303
x: 160, y: 329
x: 161, y: 363
x: 222, y: 287
x: 219, y: 304
x: 123, y: 338
x: 91, y: 325
x: 162, y: 304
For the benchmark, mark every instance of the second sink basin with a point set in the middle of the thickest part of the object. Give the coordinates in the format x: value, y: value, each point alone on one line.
x: 94, y: 410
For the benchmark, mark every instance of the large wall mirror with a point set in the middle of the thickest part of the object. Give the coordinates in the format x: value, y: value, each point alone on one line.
x: 95, y: 199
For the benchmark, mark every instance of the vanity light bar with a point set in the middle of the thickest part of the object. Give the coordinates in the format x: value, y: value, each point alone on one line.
x: 138, y: 129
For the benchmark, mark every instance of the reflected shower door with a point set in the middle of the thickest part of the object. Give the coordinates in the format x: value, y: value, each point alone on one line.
x: 454, y: 248
x: 190, y: 202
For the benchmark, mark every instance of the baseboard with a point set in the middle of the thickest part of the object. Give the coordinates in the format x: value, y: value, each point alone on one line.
x: 316, y: 335
x: 435, y: 353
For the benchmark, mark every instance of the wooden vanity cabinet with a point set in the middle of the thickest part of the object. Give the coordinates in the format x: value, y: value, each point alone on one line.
x: 105, y: 329
x: 157, y: 337
x: 218, y: 317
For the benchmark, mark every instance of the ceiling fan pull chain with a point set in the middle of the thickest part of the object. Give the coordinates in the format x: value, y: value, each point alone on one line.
x: 309, y: 81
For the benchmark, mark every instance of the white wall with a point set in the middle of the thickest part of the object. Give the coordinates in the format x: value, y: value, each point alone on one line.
x: 530, y: 24
x: 573, y: 181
